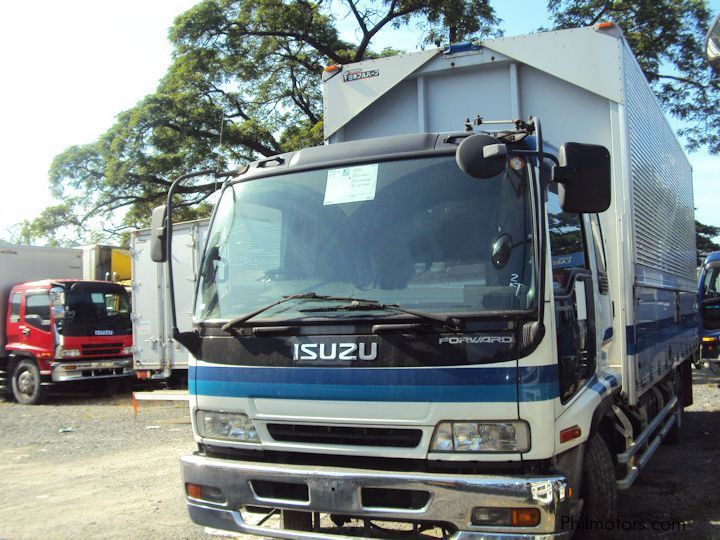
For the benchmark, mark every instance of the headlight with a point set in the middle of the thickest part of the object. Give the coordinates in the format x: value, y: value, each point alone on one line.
x: 229, y: 426
x: 70, y: 353
x: 127, y: 350
x: 481, y: 437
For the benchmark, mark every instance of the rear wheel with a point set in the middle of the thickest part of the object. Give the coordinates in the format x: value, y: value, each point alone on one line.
x: 26, y: 383
x: 296, y: 520
x: 599, y: 491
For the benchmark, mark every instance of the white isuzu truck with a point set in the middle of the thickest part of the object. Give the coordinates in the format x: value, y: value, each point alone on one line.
x: 440, y: 322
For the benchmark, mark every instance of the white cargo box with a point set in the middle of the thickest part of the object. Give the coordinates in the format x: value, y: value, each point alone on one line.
x: 585, y: 86
x: 19, y: 264
x: 154, y: 348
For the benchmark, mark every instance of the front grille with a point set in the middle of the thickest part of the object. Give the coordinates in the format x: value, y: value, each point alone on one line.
x: 355, y: 436
x: 100, y: 349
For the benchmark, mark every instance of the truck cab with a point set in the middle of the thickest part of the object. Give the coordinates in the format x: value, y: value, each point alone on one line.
x: 66, y: 330
x: 709, y: 304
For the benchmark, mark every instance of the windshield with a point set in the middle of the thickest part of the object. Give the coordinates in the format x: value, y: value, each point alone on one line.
x: 95, y: 306
x: 711, y: 284
x: 418, y: 233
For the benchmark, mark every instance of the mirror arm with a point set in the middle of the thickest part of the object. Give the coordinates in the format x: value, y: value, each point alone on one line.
x: 539, y: 331
x: 563, y: 174
x: 169, y: 231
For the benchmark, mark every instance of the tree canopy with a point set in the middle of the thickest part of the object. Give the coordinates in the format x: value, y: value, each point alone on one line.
x: 704, y: 240
x: 244, y: 83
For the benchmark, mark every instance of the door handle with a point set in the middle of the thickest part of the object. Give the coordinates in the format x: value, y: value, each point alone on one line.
x: 25, y: 331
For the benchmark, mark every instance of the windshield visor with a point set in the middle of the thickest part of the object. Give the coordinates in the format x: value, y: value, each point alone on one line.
x: 419, y: 233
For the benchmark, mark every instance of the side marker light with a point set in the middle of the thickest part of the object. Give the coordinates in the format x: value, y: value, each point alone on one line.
x: 568, y: 434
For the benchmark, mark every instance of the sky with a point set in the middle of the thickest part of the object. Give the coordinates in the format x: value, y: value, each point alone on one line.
x: 70, y: 67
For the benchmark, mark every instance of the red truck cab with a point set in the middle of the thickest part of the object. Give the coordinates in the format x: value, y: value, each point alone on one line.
x: 66, y: 330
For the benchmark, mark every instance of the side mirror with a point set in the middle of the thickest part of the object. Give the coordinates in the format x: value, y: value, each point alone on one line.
x: 481, y: 156
x: 158, y: 251
x: 712, y: 45
x: 500, y: 250
x: 57, y: 303
x: 583, y: 178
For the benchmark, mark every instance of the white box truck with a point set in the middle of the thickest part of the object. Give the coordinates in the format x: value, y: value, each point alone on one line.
x: 156, y: 355
x: 478, y: 328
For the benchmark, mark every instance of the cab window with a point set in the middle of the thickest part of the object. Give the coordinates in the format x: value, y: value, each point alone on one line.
x: 37, y: 311
x: 15, y: 302
x: 567, y: 246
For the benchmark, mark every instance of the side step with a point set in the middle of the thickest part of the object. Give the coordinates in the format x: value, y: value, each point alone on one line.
x: 638, y: 454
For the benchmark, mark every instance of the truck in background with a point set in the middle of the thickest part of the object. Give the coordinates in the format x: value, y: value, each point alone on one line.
x: 107, y: 263
x: 59, y: 330
x: 709, y: 311
x: 156, y: 355
x: 486, y: 332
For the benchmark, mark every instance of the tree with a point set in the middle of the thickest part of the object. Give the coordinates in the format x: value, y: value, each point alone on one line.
x: 244, y: 83
x: 667, y: 37
x: 704, y: 239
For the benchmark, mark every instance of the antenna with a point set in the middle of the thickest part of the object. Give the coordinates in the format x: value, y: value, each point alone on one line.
x: 222, y: 129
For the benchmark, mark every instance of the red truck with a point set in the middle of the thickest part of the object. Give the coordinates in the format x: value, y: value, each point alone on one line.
x: 61, y: 330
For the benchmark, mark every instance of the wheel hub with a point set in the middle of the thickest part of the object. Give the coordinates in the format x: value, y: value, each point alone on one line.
x: 26, y: 383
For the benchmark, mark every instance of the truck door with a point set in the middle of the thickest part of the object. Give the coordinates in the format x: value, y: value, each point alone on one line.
x: 13, y: 331
x: 35, y: 325
x: 574, y: 296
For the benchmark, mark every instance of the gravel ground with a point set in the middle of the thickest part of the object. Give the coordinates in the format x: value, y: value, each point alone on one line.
x: 81, y: 467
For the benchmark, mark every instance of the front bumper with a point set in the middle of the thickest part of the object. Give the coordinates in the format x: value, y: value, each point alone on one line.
x: 339, y: 491
x: 80, y: 370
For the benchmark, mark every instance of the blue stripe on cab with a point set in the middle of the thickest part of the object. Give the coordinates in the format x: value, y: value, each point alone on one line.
x: 536, y: 383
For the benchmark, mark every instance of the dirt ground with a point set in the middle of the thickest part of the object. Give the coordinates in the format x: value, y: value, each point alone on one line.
x: 82, y: 467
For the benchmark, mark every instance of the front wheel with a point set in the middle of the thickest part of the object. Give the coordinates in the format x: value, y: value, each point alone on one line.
x: 26, y: 383
x: 599, y: 491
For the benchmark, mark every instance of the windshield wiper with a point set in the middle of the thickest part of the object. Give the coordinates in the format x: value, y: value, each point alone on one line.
x: 239, y: 321
x: 451, y: 323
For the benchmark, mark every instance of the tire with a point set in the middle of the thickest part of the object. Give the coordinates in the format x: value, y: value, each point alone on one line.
x: 599, y: 491
x: 674, y: 436
x: 26, y: 383
x: 297, y: 520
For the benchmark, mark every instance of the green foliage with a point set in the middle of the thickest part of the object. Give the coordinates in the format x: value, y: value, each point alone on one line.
x: 667, y: 37
x: 244, y: 83
x: 705, y: 235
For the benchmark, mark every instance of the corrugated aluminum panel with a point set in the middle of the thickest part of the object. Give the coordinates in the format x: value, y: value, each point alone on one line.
x: 664, y: 330
x: 152, y: 332
x: 662, y: 195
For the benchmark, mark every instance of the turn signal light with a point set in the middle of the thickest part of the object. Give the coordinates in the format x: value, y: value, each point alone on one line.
x: 604, y: 25
x: 512, y: 517
x: 204, y: 493
x: 525, y: 517
x: 193, y: 490
x: 329, y: 69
